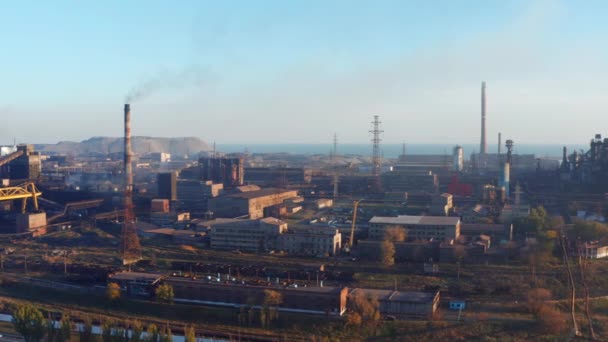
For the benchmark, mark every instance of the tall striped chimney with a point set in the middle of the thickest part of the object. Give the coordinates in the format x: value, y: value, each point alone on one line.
x: 483, y: 148
x: 128, y: 153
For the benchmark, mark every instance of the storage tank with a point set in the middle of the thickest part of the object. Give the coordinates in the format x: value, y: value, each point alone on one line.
x: 458, y: 159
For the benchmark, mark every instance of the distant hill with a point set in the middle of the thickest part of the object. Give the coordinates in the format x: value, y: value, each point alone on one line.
x: 175, y: 146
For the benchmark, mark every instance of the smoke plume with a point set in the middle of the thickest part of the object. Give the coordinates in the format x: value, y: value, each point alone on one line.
x: 192, y: 76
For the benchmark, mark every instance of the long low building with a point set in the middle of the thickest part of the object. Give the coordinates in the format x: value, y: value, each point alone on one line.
x: 313, y: 300
x: 402, y: 304
x: 416, y: 227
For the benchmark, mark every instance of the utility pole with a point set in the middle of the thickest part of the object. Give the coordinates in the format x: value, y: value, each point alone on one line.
x: 334, y: 161
x: 575, y: 330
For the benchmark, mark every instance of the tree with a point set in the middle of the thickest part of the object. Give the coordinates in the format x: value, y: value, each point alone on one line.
x: 106, y: 331
x: 164, y: 293
x: 550, y: 320
x: 270, y: 307
x: 536, y: 299
x: 166, y: 335
x: 537, y: 221
x: 387, y: 253
x: 29, y: 322
x: 353, y: 319
x: 589, y: 231
x: 459, y: 253
x: 136, y: 329
x: 395, y: 234
x: 65, y: 329
x: 368, y: 308
x: 152, y: 333
x: 189, y: 334
x: 113, y: 291
x: 52, y: 333
x: 86, y: 330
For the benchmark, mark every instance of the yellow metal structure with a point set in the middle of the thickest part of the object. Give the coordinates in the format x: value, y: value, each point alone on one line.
x: 22, y: 192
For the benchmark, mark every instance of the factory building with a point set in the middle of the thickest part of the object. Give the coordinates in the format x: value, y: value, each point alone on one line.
x: 268, y: 176
x: 589, y: 170
x: 273, y: 234
x: 194, y: 195
x: 247, y: 235
x: 310, y: 241
x: 441, y: 205
x: 417, y: 227
x: 27, y: 166
x: 414, y: 180
x: 167, y: 185
x: 401, y: 304
x: 227, y: 171
x: 211, y: 291
x: 249, y: 203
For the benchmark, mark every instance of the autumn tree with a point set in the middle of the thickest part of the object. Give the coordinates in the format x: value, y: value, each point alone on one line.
x: 136, y: 331
x: 166, y: 335
x: 536, y: 299
x: 106, y: 331
x: 366, y: 308
x: 65, y: 329
x: 164, y: 293
x: 189, y: 334
x: 550, y: 320
x: 29, y: 322
x: 395, y: 234
x: 387, y: 253
x: 588, y: 231
x: 86, y: 330
x: 270, y: 307
x: 153, y: 335
x: 113, y: 291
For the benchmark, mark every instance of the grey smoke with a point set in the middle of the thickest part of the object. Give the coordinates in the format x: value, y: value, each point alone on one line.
x: 191, y: 76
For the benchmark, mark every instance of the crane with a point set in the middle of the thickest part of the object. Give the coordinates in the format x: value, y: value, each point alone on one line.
x: 354, y: 223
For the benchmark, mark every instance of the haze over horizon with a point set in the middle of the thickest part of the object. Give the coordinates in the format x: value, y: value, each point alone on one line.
x: 296, y: 72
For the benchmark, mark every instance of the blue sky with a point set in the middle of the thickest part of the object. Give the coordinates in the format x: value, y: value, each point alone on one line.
x: 298, y: 71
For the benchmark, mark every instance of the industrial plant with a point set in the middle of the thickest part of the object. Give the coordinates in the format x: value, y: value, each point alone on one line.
x: 226, y: 229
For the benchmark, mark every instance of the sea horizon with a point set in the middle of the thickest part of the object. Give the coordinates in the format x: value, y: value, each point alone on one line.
x: 394, y: 150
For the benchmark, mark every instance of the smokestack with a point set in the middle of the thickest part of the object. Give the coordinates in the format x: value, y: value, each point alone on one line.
x: 483, y: 148
x: 131, y: 249
x: 499, y: 142
x: 127, y: 157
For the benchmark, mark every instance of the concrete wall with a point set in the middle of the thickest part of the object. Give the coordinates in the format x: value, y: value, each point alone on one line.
x: 27, y: 222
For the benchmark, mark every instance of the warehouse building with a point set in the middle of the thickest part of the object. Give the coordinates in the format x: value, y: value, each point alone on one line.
x: 417, y: 227
x: 247, y: 235
x: 273, y: 234
x: 402, y: 304
x: 249, y: 204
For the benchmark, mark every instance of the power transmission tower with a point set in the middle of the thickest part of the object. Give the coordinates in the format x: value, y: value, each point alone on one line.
x: 376, y: 131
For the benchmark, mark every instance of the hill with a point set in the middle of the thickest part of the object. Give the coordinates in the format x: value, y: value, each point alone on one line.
x: 175, y: 146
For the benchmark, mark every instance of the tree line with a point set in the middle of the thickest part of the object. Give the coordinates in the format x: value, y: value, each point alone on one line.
x: 30, y: 323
